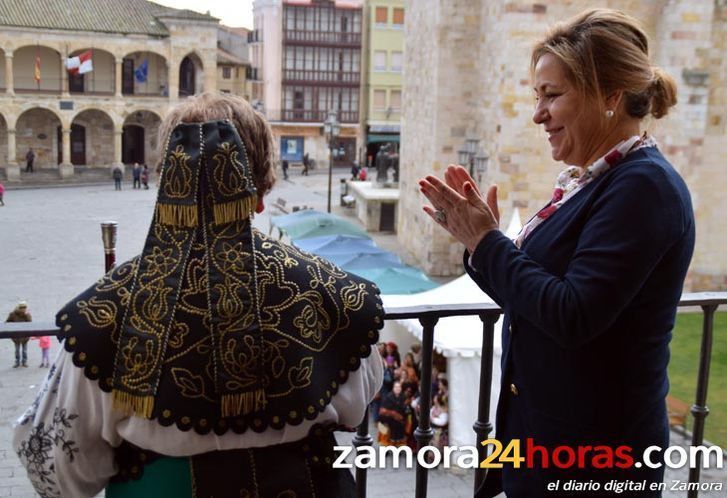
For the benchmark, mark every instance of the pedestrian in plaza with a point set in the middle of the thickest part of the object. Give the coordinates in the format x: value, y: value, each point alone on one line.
x: 2, y: 194
x: 117, y: 174
x: 145, y: 177
x: 591, y: 284
x: 44, y: 343
x: 136, y: 174
x: 20, y: 314
x: 354, y: 171
x: 363, y: 174
x: 29, y: 160
x: 306, y: 164
x: 285, y: 169
x: 212, y: 361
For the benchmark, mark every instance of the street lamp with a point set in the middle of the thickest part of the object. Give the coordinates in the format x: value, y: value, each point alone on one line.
x: 481, y: 166
x: 332, y: 128
x: 466, y: 155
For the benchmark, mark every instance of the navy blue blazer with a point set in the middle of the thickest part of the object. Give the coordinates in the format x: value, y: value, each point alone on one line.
x: 590, y: 301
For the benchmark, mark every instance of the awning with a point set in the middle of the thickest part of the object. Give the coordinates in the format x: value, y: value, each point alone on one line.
x: 380, y: 137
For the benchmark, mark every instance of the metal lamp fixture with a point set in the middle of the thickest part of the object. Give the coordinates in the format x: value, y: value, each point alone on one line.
x: 332, y: 128
x: 481, y: 161
x: 466, y: 155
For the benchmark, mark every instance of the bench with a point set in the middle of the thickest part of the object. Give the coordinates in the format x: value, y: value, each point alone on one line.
x: 280, y: 204
x: 678, y: 411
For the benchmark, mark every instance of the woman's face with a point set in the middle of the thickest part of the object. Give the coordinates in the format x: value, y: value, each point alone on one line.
x: 572, y: 127
x: 397, y: 388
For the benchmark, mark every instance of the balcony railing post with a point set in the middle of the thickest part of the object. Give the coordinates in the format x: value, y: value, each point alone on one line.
x: 482, y: 426
x: 108, y: 236
x: 424, y: 433
x: 362, y: 438
x: 699, y: 408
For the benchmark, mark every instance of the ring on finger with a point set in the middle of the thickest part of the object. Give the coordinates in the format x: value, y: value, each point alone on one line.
x: 440, y: 216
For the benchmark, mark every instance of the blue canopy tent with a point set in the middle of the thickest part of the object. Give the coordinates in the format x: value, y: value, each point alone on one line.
x: 353, y: 262
x: 337, y: 244
x: 406, y: 280
x: 311, y: 223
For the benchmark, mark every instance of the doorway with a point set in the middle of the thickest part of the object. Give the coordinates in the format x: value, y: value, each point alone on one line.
x: 186, y: 78
x: 78, y: 145
x: 132, y: 144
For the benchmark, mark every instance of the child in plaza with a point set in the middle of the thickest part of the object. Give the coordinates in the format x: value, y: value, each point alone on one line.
x: 44, y: 342
x: 2, y: 192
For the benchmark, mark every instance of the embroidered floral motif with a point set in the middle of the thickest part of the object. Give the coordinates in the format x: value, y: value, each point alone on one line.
x: 36, y: 451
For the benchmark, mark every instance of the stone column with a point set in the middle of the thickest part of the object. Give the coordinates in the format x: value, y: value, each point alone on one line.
x: 119, y: 75
x: 173, y: 78
x: 9, y: 86
x: 118, y: 132
x: 12, y: 170
x: 66, y: 168
x: 64, y: 78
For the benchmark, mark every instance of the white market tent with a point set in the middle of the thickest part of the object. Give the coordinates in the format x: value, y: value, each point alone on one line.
x: 459, y: 340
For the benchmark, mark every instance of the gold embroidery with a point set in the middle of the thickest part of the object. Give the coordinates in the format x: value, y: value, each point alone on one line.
x: 179, y: 185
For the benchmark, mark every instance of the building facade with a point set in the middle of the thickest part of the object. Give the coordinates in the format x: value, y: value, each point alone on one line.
x: 468, y: 76
x: 233, y: 62
x: 145, y: 58
x: 307, y: 63
x: 384, y: 66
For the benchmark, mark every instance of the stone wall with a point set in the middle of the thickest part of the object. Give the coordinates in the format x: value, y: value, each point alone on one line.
x: 38, y: 128
x: 467, y: 75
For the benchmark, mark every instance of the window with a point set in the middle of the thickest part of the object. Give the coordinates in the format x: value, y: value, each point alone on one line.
x: 397, y: 61
x: 382, y: 15
x: 396, y: 100
x: 226, y: 72
x: 398, y: 17
x: 379, y: 100
x: 380, y: 60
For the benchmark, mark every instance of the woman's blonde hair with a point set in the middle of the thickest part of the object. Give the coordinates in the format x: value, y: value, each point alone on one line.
x: 251, y: 125
x: 605, y: 51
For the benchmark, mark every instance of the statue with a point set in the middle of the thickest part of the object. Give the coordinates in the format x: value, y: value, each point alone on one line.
x: 382, y: 165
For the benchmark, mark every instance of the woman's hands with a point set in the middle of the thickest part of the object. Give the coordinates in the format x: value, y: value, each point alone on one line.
x: 467, y: 216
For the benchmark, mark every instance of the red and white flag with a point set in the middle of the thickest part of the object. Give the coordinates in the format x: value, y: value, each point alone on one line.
x: 81, y: 63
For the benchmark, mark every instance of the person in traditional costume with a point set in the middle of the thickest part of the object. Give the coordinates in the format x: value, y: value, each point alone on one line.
x: 219, y: 361
x: 393, y: 417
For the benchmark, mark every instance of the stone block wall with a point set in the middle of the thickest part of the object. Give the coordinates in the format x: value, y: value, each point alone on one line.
x: 467, y: 74
x: 38, y: 128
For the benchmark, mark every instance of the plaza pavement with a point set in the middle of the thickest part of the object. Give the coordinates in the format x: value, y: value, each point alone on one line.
x: 50, y: 250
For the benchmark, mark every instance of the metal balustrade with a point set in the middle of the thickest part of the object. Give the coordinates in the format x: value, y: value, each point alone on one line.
x: 428, y: 316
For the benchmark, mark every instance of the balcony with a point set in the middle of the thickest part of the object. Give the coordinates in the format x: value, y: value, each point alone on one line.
x: 308, y: 116
x: 429, y: 315
x: 327, y: 78
x: 321, y: 38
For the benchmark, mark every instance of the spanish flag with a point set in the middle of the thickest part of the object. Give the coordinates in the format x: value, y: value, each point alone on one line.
x: 37, y: 69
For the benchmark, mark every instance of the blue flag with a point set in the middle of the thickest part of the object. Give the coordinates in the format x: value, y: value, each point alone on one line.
x: 142, y: 72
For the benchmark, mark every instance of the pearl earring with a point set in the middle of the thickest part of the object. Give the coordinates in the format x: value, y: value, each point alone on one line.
x: 609, y: 113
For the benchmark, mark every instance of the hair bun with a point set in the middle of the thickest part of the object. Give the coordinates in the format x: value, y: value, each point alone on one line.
x: 663, y: 93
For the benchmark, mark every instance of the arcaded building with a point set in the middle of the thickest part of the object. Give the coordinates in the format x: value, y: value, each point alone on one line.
x: 145, y: 58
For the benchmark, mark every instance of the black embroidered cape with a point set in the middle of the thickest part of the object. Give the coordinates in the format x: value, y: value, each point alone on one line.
x: 215, y: 326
